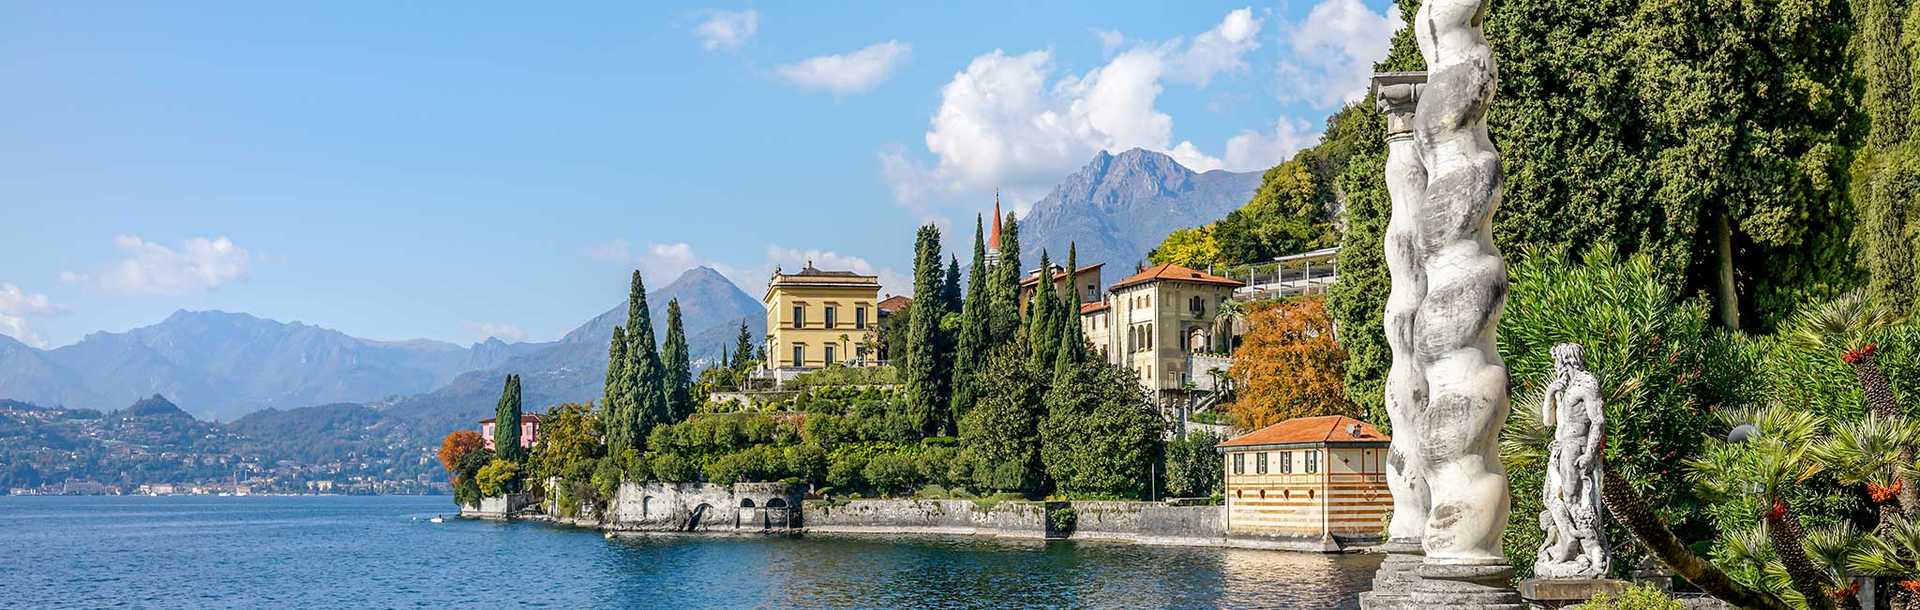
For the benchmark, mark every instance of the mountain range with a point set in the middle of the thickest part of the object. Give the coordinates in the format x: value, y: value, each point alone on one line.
x: 1119, y: 207
x: 225, y: 365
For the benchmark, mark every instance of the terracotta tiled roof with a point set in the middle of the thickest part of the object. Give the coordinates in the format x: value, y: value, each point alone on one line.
x: 1034, y: 278
x: 893, y: 303
x: 1169, y: 272
x: 1087, y: 308
x: 1305, y: 430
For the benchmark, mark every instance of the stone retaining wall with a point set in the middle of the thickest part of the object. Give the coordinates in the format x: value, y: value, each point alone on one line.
x: 1144, y: 522
x: 657, y: 506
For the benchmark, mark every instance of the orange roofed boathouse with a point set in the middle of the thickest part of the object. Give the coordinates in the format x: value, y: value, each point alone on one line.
x: 1312, y: 481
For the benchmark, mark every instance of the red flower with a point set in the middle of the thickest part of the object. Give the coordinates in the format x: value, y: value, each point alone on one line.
x: 1911, y: 585
x: 1840, y: 593
x: 1778, y: 511
x: 1882, y: 493
x: 1865, y: 351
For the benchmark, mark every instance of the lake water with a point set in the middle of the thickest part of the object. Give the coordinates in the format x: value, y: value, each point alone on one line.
x: 380, y: 552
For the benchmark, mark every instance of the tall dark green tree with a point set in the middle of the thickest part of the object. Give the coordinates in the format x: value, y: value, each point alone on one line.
x: 927, y: 401
x: 950, y: 287
x: 678, y: 367
x: 646, y: 387
x: 742, y: 348
x: 613, y: 398
x: 506, y: 423
x: 1886, y: 175
x: 1043, y: 315
x: 1100, y: 436
x: 1001, y: 433
x: 1004, y: 282
x: 1071, y: 347
x: 971, y: 345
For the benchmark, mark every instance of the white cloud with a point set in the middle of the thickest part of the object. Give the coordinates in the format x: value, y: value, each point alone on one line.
x: 1217, y: 50
x: 854, y: 72
x: 1110, y: 40
x: 727, y: 30
x: 200, y: 264
x: 658, y: 263
x: 503, y: 331
x: 1005, y: 122
x: 16, y: 305
x: 1333, y: 52
x: 790, y: 260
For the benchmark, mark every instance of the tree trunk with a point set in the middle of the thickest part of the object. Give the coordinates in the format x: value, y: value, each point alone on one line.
x: 1879, y: 396
x: 1789, y: 543
x: 1726, y: 297
x: 1631, y: 510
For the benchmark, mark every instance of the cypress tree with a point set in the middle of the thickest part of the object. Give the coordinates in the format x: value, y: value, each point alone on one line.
x: 678, y: 367
x: 926, y: 393
x: 975, y: 318
x: 742, y: 348
x: 506, y: 423
x: 646, y: 392
x: 1005, y: 285
x: 950, y: 289
x: 613, y: 407
x: 1072, y: 348
x: 1042, y: 319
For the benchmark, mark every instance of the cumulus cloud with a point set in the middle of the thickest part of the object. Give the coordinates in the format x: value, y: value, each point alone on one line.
x: 1005, y: 121
x: 198, y: 265
x: 789, y: 260
x: 658, y: 263
x: 503, y: 331
x: 1333, y: 52
x: 727, y: 30
x: 16, y: 305
x: 854, y: 72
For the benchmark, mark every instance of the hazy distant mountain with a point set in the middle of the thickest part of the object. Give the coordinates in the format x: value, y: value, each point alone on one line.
x: 224, y: 365
x: 574, y: 368
x: 1119, y: 207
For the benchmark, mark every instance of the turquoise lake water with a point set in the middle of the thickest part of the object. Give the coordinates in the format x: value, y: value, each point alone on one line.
x: 381, y: 552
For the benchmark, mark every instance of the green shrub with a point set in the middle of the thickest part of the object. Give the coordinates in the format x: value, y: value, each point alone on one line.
x: 894, y: 472
x: 844, y: 471
x: 499, y: 477
x: 1643, y: 597
x: 1061, y: 519
x: 672, y: 468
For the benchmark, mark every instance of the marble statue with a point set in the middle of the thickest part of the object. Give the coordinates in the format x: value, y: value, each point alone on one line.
x: 1576, y: 543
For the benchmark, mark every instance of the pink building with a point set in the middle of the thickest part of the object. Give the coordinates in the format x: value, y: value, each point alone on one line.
x: 529, y: 430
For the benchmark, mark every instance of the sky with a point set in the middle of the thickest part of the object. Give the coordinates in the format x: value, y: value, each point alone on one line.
x: 456, y: 171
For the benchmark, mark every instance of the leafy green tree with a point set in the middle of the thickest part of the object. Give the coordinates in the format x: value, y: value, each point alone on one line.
x: 1886, y: 174
x: 971, y: 344
x: 1101, y: 436
x: 614, y: 408
x: 1193, y: 247
x: 1194, y: 469
x: 506, y: 423
x: 1001, y: 433
x: 498, y: 478
x: 1043, y: 316
x: 926, y: 378
x: 1005, y: 284
x: 645, y: 386
x: 569, y: 447
x: 678, y: 367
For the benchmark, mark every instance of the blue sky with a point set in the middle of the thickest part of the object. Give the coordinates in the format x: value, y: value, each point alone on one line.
x: 454, y: 171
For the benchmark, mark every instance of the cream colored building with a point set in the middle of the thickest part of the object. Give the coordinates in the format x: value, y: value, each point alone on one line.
x: 817, y: 317
x: 1152, y: 321
x: 1315, y: 480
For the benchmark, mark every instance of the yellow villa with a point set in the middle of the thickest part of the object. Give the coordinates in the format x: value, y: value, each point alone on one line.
x: 817, y: 317
x: 1312, y: 482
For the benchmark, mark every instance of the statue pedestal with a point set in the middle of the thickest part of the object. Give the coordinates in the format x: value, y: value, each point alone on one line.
x: 1466, y: 587
x: 1393, y: 582
x: 1562, y: 592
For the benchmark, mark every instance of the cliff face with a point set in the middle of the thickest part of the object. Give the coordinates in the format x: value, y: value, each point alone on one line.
x: 1118, y: 207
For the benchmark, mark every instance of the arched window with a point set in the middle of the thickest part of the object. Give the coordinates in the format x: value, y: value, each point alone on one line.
x: 777, y: 503
x: 746, y: 503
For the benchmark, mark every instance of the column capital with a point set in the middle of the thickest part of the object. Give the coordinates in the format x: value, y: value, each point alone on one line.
x: 1396, y: 94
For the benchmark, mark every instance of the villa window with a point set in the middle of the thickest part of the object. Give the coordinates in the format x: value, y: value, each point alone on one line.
x: 1239, y: 463
x: 799, y: 355
x: 1198, y: 306
x: 1260, y: 463
x: 830, y: 346
x: 799, y: 316
x: 831, y: 318
x: 1313, y: 461
x: 860, y: 353
x: 860, y: 317
x: 1286, y: 462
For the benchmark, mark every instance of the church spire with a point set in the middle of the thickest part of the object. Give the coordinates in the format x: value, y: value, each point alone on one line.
x: 993, y: 240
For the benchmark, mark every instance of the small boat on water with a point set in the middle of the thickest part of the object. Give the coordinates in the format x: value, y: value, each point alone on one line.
x: 437, y: 519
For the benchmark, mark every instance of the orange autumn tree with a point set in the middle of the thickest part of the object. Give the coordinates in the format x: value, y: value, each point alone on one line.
x: 1288, y: 365
x: 456, y: 446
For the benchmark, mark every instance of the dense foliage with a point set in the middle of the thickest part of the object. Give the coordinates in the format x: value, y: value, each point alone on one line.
x: 1101, y: 435
x: 1194, y: 468
x: 1288, y: 365
x: 506, y: 423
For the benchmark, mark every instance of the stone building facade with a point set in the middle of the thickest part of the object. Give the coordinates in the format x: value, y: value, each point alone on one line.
x: 1312, y: 479
x: 816, y: 318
